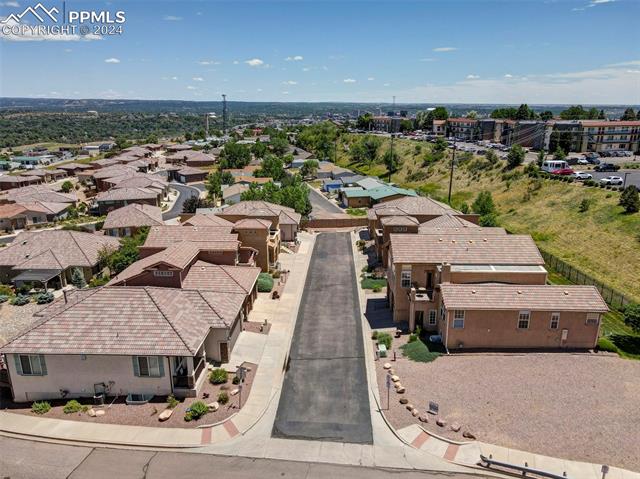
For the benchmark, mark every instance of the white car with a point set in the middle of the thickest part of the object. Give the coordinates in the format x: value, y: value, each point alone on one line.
x: 582, y: 175
x: 583, y: 161
x: 611, y: 180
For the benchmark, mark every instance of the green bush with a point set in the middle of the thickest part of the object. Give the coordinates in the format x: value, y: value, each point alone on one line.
x: 172, y: 402
x: 196, y: 411
x: 6, y: 290
x: 218, y: 376
x: 372, y: 283
x: 74, y: 406
x: 265, y: 283
x: 223, y: 397
x: 605, y: 344
x: 386, y: 339
x: 377, y: 289
x: 418, y: 351
x: 412, y: 338
x: 374, y: 335
x: 40, y: 407
x: 632, y: 316
x: 235, y: 380
x: 3, y: 298
x: 20, y: 300
x: 44, y: 298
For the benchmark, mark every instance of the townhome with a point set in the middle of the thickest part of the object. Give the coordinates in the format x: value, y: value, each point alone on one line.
x: 8, y: 182
x: 152, y: 341
x: 38, y: 193
x: 285, y: 222
x: 119, y: 197
x: 188, y: 174
x: 49, y: 256
x: 126, y: 221
x: 22, y: 215
x: 49, y: 175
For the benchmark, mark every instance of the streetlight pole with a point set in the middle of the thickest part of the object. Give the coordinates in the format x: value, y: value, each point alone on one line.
x: 453, y: 160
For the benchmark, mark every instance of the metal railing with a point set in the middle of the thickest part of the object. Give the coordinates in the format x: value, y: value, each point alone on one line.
x: 524, y: 470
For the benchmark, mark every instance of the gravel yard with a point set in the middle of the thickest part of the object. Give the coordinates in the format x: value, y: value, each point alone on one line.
x: 574, y: 406
x: 14, y: 319
x: 147, y: 414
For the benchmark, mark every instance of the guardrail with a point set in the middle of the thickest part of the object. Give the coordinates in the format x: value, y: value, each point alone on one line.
x: 523, y: 470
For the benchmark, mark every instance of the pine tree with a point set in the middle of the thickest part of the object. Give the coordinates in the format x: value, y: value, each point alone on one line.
x: 77, y: 278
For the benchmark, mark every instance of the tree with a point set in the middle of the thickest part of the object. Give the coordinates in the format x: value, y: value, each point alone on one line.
x: 365, y: 121
x: 309, y: 168
x: 630, y: 200
x: 191, y: 204
x: 541, y: 157
x: 66, y: 187
x: 628, y: 115
x: 77, y: 278
x: 424, y: 119
x: 515, y: 157
x: 320, y: 139
x: 546, y: 115
x: 293, y: 193
x: 440, y: 145
x: 235, y: 155
x: 391, y: 161
x: 472, y: 114
x: 122, y: 143
x: 632, y: 316
x: 577, y: 112
x: 271, y: 167
x: 279, y: 146
x: 486, y: 208
x: 119, y: 260
x: 559, y: 154
x: 259, y: 149
x: 365, y: 149
x: 525, y: 113
x: 214, y: 183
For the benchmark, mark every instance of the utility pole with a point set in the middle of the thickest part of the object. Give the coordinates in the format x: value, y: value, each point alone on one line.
x: 225, y: 114
x: 391, y: 130
x: 453, y: 160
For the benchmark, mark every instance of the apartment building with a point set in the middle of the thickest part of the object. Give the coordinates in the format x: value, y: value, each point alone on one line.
x: 610, y: 135
x: 390, y: 124
x: 466, y: 129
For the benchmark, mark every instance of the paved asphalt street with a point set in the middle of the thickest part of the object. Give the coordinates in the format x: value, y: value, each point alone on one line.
x: 321, y: 205
x: 185, y: 192
x: 324, y: 395
x: 21, y: 459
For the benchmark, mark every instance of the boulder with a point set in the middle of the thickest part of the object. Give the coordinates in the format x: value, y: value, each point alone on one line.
x: 415, y: 412
x: 164, y: 415
x: 233, y: 392
x: 441, y: 422
x: 397, y: 385
x: 410, y: 407
x: 401, y: 390
x: 91, y: 412
x: 404, y: 401
x: 455, y: 427
x: 395, y: 378
x: 392, y: 371
x: 469, y: 435
x: 387, y: 365
x: 213, y: 406
x: 100, y: 412
x: 423, y: 418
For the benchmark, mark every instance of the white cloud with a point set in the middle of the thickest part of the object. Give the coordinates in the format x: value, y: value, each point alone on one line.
x: 371, y: 78
x: 236, y: 62
x: 112, y: 60
x: 445, y: 49
x: 259, y: 90
x: 174, y: 78
x: 427, y: 60
x: 191, y: 87
x: 508, y: 75
x: 208, y: 62
x: 386, y: 84
x: 68, y: 50
x: 633, y: 71
x: 306, y: 69
x: 171, y: 18
x: 285, y: 92
x: 349, y: 80
x: 198, y: 79
x: 472, y: 77
x: 254, y: 62
x: 290, y: 82
x: 297, y: 58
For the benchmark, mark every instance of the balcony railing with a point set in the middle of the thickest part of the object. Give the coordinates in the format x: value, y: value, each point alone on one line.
x: 418, y: 294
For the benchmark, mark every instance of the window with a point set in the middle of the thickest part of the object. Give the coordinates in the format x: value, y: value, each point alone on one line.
x: 405, y: 279
x: 523, y: 319
x: 31, y: 365
x: 555, y: 321
x: 432, y: 317
x: 458, y: 319
x: 148, y: 366
x: 593, y: 318
x: 163, y: 274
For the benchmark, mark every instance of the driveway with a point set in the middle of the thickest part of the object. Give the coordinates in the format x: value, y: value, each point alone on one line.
x: 184, y: 192
x: 325, y: 393
x: 322, y: 205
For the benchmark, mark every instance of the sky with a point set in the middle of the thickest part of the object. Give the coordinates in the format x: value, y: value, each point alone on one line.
x: 538, y: 52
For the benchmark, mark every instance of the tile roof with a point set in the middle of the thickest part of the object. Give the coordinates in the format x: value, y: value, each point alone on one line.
x: 189, y: 170
x: 124, y: 320
x: 448, y: 220
x: 201, y: 219
x: 461, y: 230
x: 462, y: 249
x: 70, y: 248
x: 399, y: 221
x: 74, y: 166
x: 252, y: 223
x: 123, y: 194
x: 11, y: 210
x: 262, y: 208
x: 40, y: 193
x: 47, y: 207
x: 135, y: 215
x: 518, y: 297
x: 138, y: 180
x: 232, y: 190
x: 414, y: 206
x: 221, y: 278
x: 113, y: 171
x: 214, y: 237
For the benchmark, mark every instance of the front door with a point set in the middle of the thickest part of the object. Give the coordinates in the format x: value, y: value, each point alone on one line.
x: 224, y: 352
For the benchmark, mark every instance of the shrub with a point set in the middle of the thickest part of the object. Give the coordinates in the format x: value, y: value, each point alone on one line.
x: 632, y: 316
x: 412, y: 338
x: 77, y: 278
x: 24, y: 288
x: 386, y: 339
x: 235, y: 380
x: 584, y: 205
x: 172, y: 402
x: 630, y: 200
x: 66, y: 187
x: 218, y: 376
x: 605, y: 344
x: 74, y: 406
x: 223, y: 397
x: 276, y: 274
x: 265, y: 283
x: 97, y: 281
x: 377, y: 289
x: 3, y: 298
x: 40, y: 407
x: 20, y: 300
x: 374, y: 335
x: 196, y: 411
x: 44, y: 298
x: 6, y: 290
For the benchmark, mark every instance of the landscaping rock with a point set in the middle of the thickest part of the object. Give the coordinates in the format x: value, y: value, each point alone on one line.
x: 415, y: 412
x: 392, y: 371
x: 100, y: 412
x: 213, y: 406
x: 234, y: 392
x: 395, y: 378
x: 409, y: 407
x: 441, y: 422
x: 164, y: 415
x: 401, y: 390
x: 469, y: 435
x: 386, y: 365
x: 423, y: 418
x: 404, y: 401
x: 91, y: 412
x: 455, y: 427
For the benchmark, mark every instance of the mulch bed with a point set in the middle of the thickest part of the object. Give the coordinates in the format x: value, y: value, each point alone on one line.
x: 119, y: 412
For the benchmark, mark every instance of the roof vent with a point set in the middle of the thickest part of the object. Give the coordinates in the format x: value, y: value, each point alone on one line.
x: 473, y: 291
x: 566, y: 293
x: 24, y: 242
x: 440, y: 240
x: 471, y: 241
x: 453, y: 241
x: 485, y: 239
x: 519, y: 291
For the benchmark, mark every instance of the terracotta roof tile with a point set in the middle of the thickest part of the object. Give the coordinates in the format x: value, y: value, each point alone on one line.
x: 134, y: 215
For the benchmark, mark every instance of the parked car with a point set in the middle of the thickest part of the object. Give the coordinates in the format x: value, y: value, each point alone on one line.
x: 563, y: 172
x: 583, y: 161
x: 582, y: 176
x: 593, y: 160
x: 591, y: 155
x: 607, y: 167
x: 611, y: 180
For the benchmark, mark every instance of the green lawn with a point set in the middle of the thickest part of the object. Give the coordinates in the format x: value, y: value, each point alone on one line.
x: 372, y: 283
x: 418, y: 351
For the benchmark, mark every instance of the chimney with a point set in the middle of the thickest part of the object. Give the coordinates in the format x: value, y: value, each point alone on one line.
x: 445, y: 276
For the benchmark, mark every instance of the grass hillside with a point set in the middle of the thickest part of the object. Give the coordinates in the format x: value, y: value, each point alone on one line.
x: 603, y: 241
